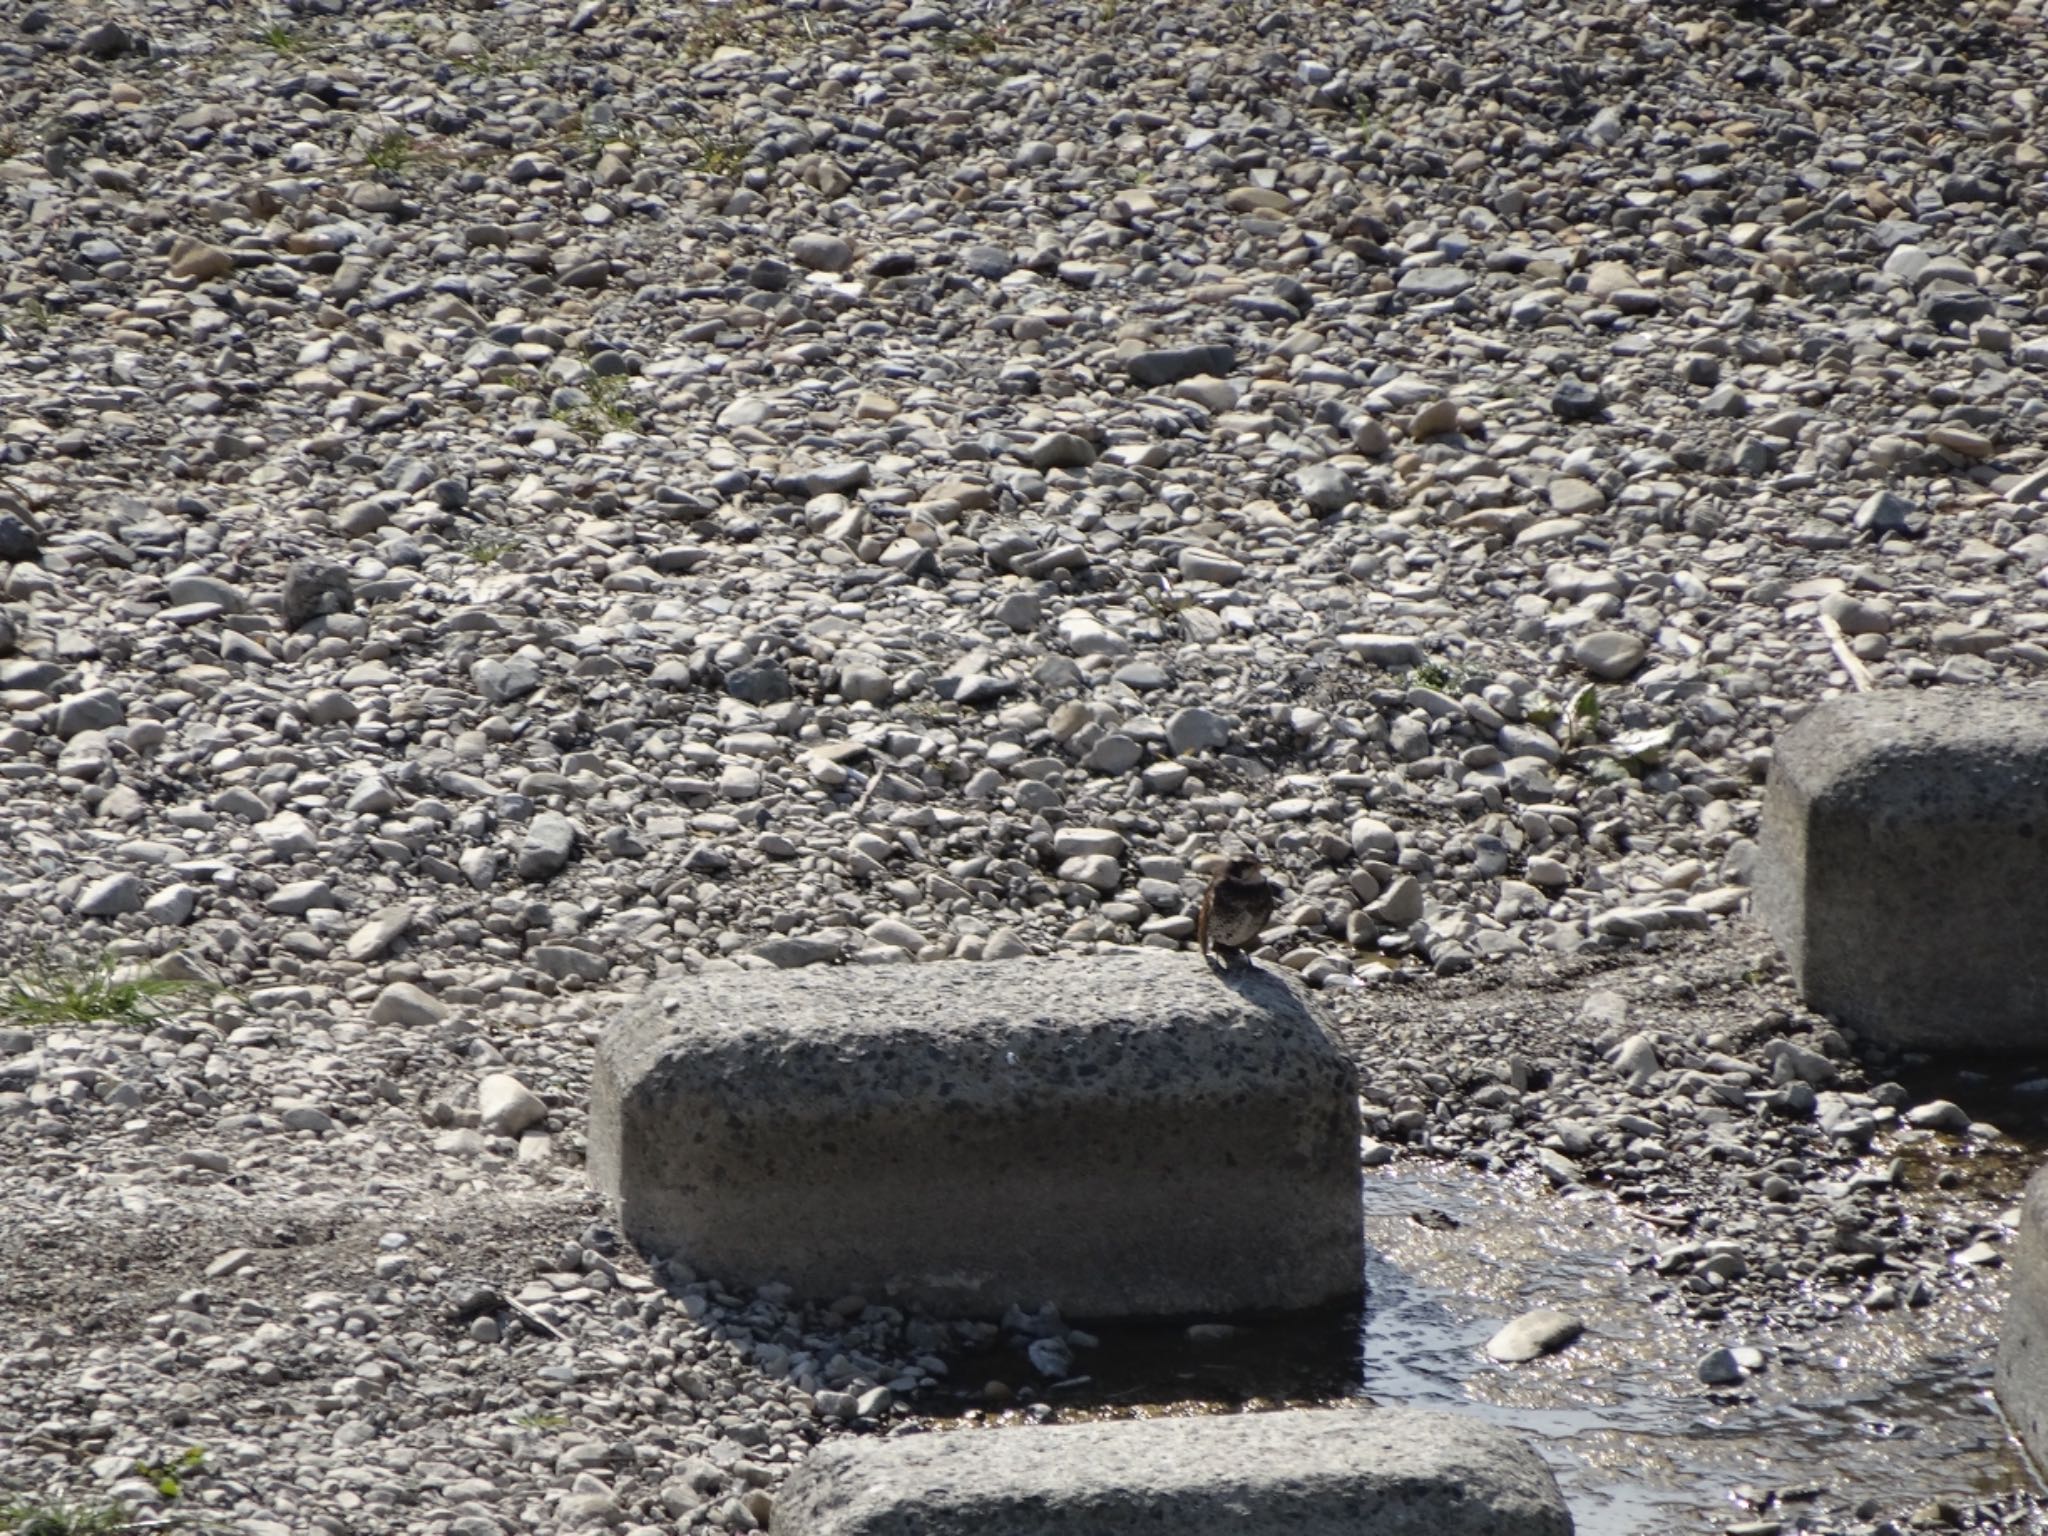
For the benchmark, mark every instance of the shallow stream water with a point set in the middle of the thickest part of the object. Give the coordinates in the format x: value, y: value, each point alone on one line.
x: 1892, y: 1407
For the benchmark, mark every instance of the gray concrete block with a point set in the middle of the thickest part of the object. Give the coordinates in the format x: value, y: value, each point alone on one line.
x: 1125, y: 1135
x: 1308, y: 1472
x: 1904, y: 843
x: 2021, y: 1379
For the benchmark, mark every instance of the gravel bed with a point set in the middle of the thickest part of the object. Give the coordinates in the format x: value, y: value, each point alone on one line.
x: 501, y: 503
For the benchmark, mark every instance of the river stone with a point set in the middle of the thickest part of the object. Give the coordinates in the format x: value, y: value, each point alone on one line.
x: 1310, y: 1472
x: 550, y: 840
x: 961, y: 1137
x: 404, y: 1003
x: 1170, y: 365
x: 384, y: 929
x: 1609, y: 654
x: 92, y: 711
x: 505, y: 1106
x: 1541, y: 1332
x: 1953, y: 787
x: 313, y: 589
x: 111, y: 897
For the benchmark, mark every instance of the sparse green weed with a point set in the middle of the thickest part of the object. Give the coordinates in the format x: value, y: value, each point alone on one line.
x: 1167, y: 603
x: 490, y: 551
x: 50, y: 1517
x: 50, y: 992
x: 542, y: 1421
x: 282, y: 39
x: 495, y: 63
x: 607, y: 410
x: 1582, y: 722
x: 391, y: 154
x: 718, y: 28
x: 720, y: 152
x: 969, y: 42
x: 169, y: 1472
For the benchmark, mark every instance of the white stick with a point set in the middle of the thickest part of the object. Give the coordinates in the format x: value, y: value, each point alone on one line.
x: 1838, y: 642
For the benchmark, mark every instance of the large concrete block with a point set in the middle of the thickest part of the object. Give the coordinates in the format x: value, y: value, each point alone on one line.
x: 1129, y: 1134
x: 1309, y: 1472
x: 2021, y: 1379
x: 1904, y: 844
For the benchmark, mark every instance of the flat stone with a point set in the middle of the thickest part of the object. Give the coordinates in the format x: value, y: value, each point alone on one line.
x: 1541, y: 1332
x: 1935, y: 800
x: 299, y: 897
x: 503, y: 680
x: 961, y: 1137
x: 1435, y: 282
x: 562, y: 961
x: 1310, y: 1472
x: 790, y: 951
x: 234, y: 1261
x: 1573, y: 497
x: 1382, y: 650
x: 196, y: 587
x: 1169, y: 365
x: 378, y: 934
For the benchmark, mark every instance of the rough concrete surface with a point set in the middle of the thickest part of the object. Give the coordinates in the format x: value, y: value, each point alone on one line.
x: 1132, y: 1134
x: 1309, y: 1472
x: 1904, y: 841
x: 2021, y: 1380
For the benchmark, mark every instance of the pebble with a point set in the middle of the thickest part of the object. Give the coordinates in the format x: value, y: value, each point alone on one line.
x: 1541, y: 1332
x: 111, y: 896
x: 550, y: 840
x: 1609, y: 654
x: 403, y: 1003
x: 506, y: 1107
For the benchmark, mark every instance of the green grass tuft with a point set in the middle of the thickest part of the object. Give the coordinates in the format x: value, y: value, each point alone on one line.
x: 490, y: 551
x: 607, y: 410
x: 47, y: 992
x: 392, y: 153
x: 720, y: 153
x: 47, y: 1517
x: 169, y: 1472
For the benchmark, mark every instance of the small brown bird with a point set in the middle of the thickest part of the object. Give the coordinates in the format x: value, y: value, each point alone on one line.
x: 1235, y: 908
